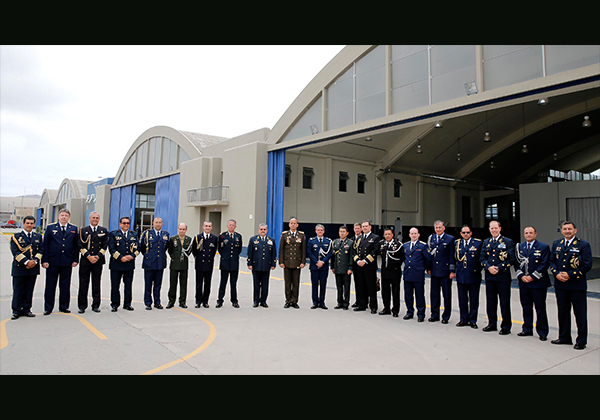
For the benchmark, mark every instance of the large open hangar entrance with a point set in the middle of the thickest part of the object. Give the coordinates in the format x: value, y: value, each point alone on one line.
x: 412, y: 167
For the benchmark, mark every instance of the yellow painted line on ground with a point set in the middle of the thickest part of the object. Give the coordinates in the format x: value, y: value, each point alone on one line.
x: 3, y: 336
x: 87, y: 324
x: 207, y: 342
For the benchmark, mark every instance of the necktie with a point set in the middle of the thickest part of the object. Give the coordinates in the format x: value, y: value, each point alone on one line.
x: 64, y: 229
x: 412, y: 244
x: 29, y: 235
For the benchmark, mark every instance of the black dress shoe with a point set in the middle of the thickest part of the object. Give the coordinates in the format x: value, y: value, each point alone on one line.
x: 359, y: 309
x: 395, y: 315
x: 579, y: 346
x: 473, y: 325
x: 264, y: 305
x: 314, y: 307
x: 287, y: 305
x: 421, y: 319
x: 235, y: 305
x: 30, y: 314
x: 254, y: 305
x: 504, y: 332
x: 559, y: 341
x: 96, y: 310
x: 218, y: 305
x: 295, y: 305
x: 198, y: 305
x: 444, y: 321
x: 64, y: 311
x: 47, y: 312
x: 113, y: 309
x: 432, y: 319
x: 205, y: 305
x: 182, y: 305
x: 373, y: 311
x: 169, y: 306
x: 524, y: 334
x: 15, y: 316
x: 81, y: 311
x: 489, y: 328
x: 338, y: 306
x: 462, y: 324
x: 158, y: 306
x: 127, y: 308
x: 385, y: 312
x: 148, y: 307
x: 324, y: 307
x: 407, y: 317
x: 542, y: 338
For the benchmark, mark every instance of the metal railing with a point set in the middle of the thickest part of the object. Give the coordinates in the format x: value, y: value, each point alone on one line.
x: 216, y: 193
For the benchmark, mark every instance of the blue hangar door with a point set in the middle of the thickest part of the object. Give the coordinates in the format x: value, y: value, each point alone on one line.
x: 275, y: 193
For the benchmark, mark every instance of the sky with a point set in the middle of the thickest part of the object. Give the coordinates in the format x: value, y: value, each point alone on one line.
x: 73, y: 111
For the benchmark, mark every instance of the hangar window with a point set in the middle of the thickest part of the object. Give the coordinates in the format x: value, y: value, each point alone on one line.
x: 288, y: 173
x: 343, y: 187
x: 491, y: 212
x: 397, y: 188
x: 505, y: 65
x: 307, y: 178
x: 362, y: 179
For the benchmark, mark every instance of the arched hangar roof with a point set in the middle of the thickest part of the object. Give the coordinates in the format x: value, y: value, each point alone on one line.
x: 160, y: 150
x: 378, y: 103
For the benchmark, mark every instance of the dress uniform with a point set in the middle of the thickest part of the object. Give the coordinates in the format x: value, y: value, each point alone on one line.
x: 25, y: 246
x: 574, y: 258
x: 121, y: 244
x: 60, y: 252
x: 499, y: 252
x: 392, y: 258
x: 341, y: 263
x: 417, y: 260
x: 319, y: 249
x: 292, y: 253
x: 92, y: 241
x: 204, y: 248
x: 468, y: 279
x: 229, y: 247
x: 533, y: 260
x: 262, y: 257
x: 178, y: 268
x: 153, y: 244
x: 366, y: 248
x: 441, y: 248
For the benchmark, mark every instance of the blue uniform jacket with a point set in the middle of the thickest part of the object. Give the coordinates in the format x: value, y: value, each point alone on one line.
x: 443, y: 255
x: 120, y: 245
x: 534, y: 263
x: 500, y: 253
x: 229, y: 249
x: 204, y: 251
x: 24, y: 249
x: 316, y: 252
x: 154, y: 247
x: 416, y: 262
x: 60, y: 249
x: 468, y: 265
x: 262, y: 255
x: 575, y: 260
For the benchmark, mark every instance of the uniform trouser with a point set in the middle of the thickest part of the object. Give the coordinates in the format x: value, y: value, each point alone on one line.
x: 85, y: 272
x: 261, y: 285
x: 468, y: 301
x: 342, y: 283
x: 291, y: 277
x: 318, y: 280
x: 443, y: 285
x: 390, y: 291
x: 357, y: 290
x: 174, y: 277
x: 233, y: 276
x: 493, y: 291
x: 414, y: 290
x: 366, y: 288
x: 23, y: 294
x: 61, y: 276
x: 529, y: 298
x: 115, y: 284
x: 577, y: 299
x: 152, y: 284
x: 203, y: 281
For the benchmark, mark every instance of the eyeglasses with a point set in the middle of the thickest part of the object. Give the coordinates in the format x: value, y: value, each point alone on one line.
x: 124, y: 223
x: 465, y: 232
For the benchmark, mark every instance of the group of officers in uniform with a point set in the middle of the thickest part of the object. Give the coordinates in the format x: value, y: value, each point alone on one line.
x: 444, y: 258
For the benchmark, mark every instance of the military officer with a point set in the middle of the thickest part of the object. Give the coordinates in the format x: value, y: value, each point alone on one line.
x: 92, y: 243
x: 417, y: 260
x: 570, y: 260
x: 153, y: 244
x: 357, y: 232
x: 230, y: 247
x: 318, y: 250
x: 392, y: 257
x: 123, y: 248
x: 179, y: 249
x: 204, y: 248
x: 497, y: 256
x: 441, y: 247
x: 27, y: 248
x: 341, y: 267
x: 59, y: 258
x: 262, y: 257
x: 292, y: 258
x: 468, y: 276
x: 533, y: 259
x: 366, y: 249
